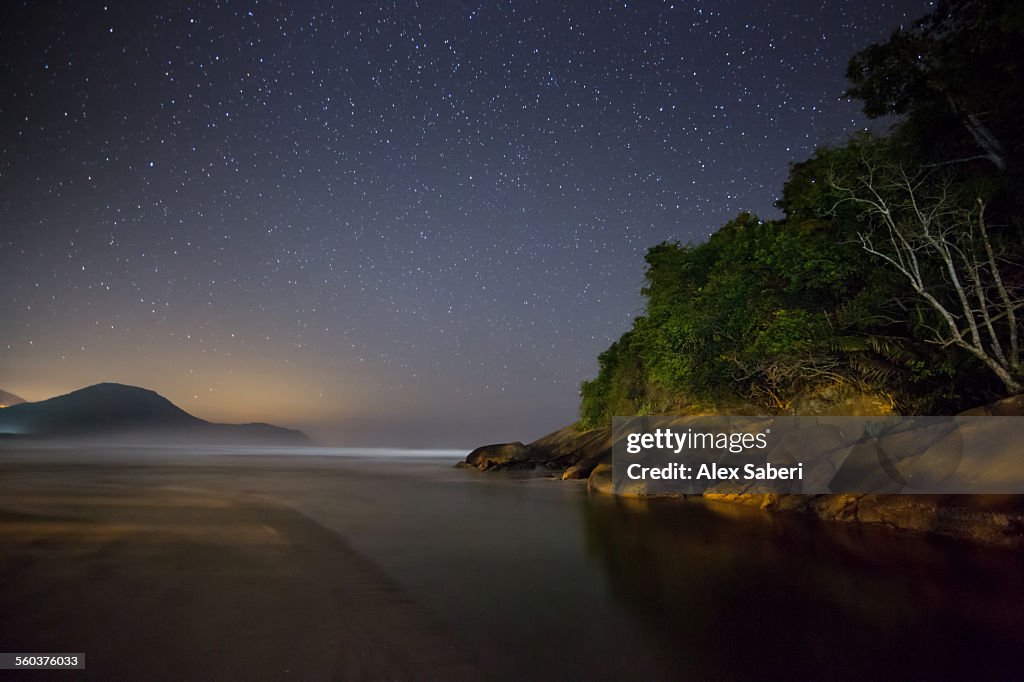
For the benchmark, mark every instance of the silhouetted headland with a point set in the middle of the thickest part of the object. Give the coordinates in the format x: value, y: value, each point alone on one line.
x: 117, y: 411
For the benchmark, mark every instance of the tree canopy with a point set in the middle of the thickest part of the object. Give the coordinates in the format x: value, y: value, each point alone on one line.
x: 818, y: 303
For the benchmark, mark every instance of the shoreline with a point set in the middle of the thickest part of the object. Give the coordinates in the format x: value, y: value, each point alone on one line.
x: 989, y: 520
x: 184, y: 581
x: 336, y: 568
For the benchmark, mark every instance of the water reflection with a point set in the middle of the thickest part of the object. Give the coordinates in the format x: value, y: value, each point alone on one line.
x: 785, y: 597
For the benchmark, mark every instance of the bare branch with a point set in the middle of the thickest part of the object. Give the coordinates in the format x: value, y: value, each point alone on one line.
x: 944, y: 251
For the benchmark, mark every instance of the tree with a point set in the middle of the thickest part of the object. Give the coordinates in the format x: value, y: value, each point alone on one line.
x: 941, y: 244
x: 959, y: 68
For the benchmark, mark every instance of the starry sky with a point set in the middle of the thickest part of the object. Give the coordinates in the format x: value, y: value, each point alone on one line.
x: 391, y: 223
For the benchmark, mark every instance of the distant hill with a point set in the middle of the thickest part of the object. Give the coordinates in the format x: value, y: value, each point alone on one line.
x: 8, y: 399
x: 116, y: 410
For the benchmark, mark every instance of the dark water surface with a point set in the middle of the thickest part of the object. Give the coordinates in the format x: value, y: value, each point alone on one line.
x: 537, y: 580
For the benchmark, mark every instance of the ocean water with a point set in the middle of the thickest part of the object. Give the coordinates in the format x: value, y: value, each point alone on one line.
x: 539, y: 580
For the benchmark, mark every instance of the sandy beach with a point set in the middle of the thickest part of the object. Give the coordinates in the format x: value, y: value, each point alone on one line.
x: 154, y: 581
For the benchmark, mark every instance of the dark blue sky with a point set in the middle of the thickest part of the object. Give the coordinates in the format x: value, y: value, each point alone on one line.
x: 392, y: 223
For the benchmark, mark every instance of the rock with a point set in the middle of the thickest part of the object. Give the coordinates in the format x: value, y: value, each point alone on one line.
x: 500, y: 456
x: 792, y: 503
x: 1008, y: 407
x: 600, y: 480
x: 892, y: 460
x: 816, y: 440
x: 867, y: 468
x: 835, y: 507
x: 910, y: 438
x: 742, y: 499
x: 906, y: 512
x: 820, y: 476
x: 576, y: 472
x: 992, y: 520
x: 590, y: 460
x: 569, y: 447
x: 632, y: 488
x: 933, y: 467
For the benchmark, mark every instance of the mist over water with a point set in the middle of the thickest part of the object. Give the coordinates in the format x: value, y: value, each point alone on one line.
x: 87, y: 449
x: 316, y: 451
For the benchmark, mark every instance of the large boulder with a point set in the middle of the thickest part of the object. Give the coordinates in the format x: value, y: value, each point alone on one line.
x: 592, y: 456
x: 600, y: 480
x: 501, y: 456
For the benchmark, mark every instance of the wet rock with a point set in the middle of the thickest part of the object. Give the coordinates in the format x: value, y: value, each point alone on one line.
x: 600, y: 480
x: 576, y: 472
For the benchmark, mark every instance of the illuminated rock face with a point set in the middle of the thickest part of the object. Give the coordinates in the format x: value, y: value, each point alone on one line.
x: 994, y: 520
x: 8, y: 399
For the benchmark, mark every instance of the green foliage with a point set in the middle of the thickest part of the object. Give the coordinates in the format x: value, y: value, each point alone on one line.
x: 618, y: 386
x: 768, y: 311
x: 789, y: 332
x: 716, y: 311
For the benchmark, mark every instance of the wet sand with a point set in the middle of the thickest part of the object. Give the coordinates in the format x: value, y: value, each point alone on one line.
x: 153, y: 582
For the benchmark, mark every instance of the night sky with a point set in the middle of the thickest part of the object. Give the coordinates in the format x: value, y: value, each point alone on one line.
x: 387, y: 223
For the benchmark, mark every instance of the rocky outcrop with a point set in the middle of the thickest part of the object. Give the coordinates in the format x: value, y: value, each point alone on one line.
x: 994, y: 520
x: 573, y: 451
x: 570, y: 451
x: 501, y: 456
x: 600, y: 480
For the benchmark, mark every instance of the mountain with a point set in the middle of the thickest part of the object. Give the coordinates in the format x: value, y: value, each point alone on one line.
x: 8, y: 399
x: 107, y: 410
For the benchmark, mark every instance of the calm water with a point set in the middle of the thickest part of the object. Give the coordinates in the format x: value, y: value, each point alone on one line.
x: 540, y: 580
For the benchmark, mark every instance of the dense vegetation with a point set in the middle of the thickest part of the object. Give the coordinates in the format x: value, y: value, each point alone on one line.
x: 896, y: 269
